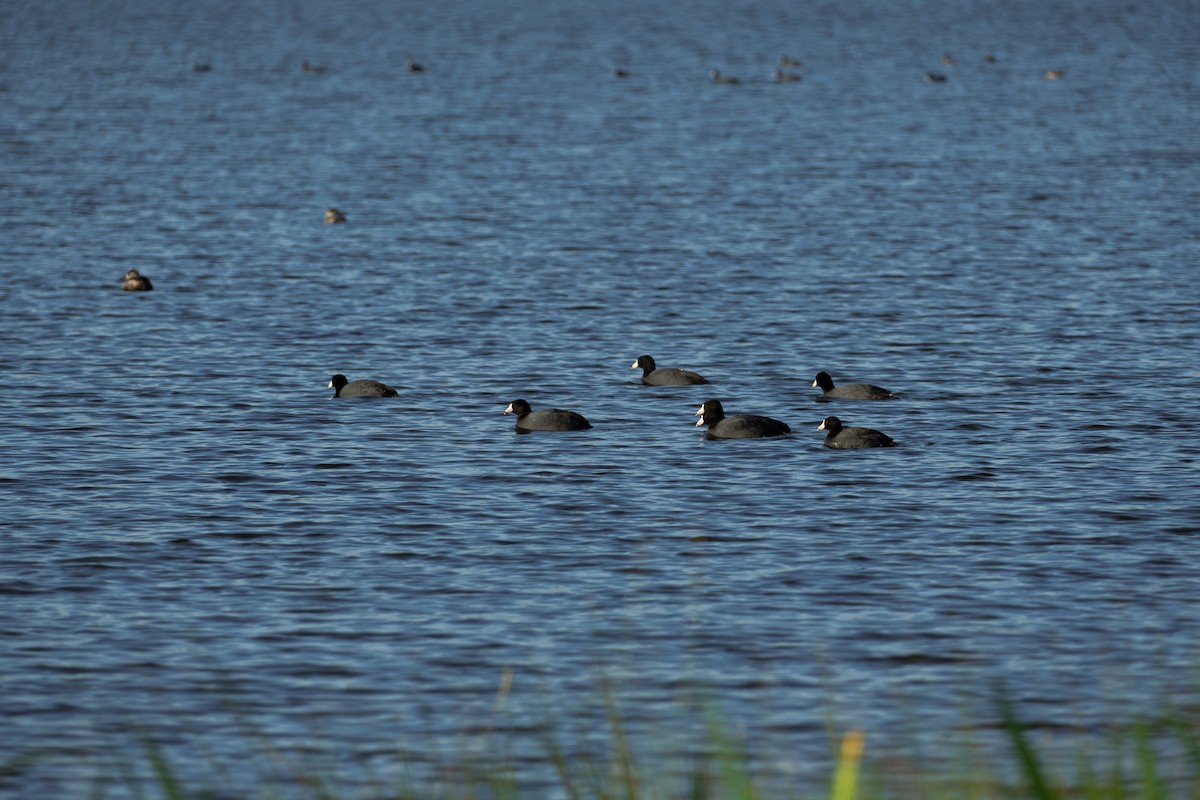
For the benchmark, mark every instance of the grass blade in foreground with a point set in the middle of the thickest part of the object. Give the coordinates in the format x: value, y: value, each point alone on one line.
x: 1025, y: 754
x: 845, y: 777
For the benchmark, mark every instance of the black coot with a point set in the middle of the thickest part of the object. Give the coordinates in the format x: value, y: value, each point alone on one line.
x: 665, y: 376
x: 546, y: 419
x: 739, y: 426
x: 851, y: 391
x: 842, y: 438
x: 360, y: 388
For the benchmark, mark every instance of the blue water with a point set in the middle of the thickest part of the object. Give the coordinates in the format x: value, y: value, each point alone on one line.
x: 198, y: 542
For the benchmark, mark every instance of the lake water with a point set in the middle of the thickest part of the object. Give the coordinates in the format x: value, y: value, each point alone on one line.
x: 201, y: 547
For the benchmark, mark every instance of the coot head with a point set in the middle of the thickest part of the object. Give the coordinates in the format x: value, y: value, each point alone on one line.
x: 518, y: 407
x: 710, y: 413
x: 644, y: 363
x: 830, y: 424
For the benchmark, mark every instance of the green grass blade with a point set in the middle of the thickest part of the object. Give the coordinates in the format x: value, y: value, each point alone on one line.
x: 1028, y: 759
x: 845, y: 777
x: 733, y: 763
x: 1147, y: 761
x: 162, y: 770
x: 621, y: 744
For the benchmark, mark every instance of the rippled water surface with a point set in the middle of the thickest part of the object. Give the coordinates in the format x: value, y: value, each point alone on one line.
x: 198, y: 539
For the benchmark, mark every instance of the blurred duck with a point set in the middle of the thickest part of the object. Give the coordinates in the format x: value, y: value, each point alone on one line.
x: 134, y: 281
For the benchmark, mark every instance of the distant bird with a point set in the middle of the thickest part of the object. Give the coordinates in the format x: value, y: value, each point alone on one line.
x: 134, y: 281
x: 665, y: 376
x: 989, y: 58
x: 851, y: 391
x: 935, y: 77
x: 413, y: 66
x: 1054, y: 74
x: 948, y: 59
x: 785, y: 77
x: 839, y: 437
x: 546, y: 419
x: 307, y: 67
x: 360, y: 388
x: 620, y: 72
x: 332, y: 215
x: 199, y: 67
x: 739, y: 426
x: 788, y: 61
x: 717, y: 77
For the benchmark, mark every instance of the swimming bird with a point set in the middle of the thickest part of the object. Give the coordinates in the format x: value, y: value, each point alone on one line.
x: 948, y: 59
x: 851, y: 391
x: 717, y: 77
x: 332, y: 215
x: 935, y: 77
x: 413, y: 66
x: 785, y: 77
x: 360, y: 388
x: 739, y: 426
x: 839, y: 437
x: 200, y: 67
x: 665, y: 376
x: 788, y: 61
x: 620, y: 72
x: 307, y: 67
x: 545, y: 419
x: 134, y: 281
x: 1054, y: 74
